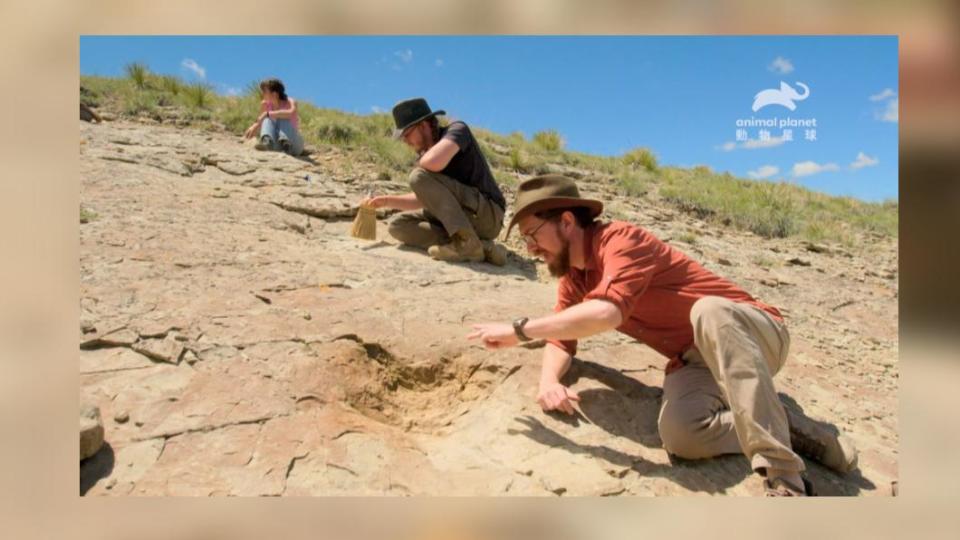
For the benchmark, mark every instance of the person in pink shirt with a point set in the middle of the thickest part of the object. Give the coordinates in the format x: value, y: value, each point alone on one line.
x: 278, y: 123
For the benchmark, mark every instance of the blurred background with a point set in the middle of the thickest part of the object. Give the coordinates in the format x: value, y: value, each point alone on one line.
x: 38, y: 387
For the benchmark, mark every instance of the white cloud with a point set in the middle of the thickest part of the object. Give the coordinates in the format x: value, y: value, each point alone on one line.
x: 884, y: 94
x: 191, y: 65
x: 863, y: 160
x: 766, y: 171
x: 807, y: 168
x: 891, y: 109
x: 781, y: 65
x: 438, y: 62
x: 230, y: 90
x: 405, y: 56
x: 376, y: 109
x: 728, y: 146
x: 752, y: 144
x: 891, y: 113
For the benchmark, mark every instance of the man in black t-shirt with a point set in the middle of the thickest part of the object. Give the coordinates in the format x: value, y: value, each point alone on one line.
x: 456, y: 209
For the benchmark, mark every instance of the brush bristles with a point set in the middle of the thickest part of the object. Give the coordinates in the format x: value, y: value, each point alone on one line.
x: 365, y: 223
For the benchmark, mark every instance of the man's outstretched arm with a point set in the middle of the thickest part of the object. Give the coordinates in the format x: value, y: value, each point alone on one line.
x: 408, y: 201
x: 575, y: 322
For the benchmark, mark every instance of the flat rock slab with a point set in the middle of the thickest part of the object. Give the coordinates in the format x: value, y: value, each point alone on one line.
x: 252, y: 347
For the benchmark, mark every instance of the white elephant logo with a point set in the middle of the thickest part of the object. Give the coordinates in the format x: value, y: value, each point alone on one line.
x: 785, y: 96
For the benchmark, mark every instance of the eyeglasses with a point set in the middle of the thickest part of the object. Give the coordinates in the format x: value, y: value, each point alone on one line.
x: 529, y: 237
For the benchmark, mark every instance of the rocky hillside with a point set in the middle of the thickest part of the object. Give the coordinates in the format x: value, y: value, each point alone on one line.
x: 238, y: 341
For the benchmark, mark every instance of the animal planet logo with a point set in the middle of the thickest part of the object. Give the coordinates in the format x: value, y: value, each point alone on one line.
x: 785, y: 96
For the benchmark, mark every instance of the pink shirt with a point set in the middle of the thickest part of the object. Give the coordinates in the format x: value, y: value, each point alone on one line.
x: 294, y: 119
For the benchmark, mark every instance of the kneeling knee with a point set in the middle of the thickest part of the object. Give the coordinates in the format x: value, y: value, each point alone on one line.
x: 398, y: 229
x: 418, y: 176
x: 678, y: 433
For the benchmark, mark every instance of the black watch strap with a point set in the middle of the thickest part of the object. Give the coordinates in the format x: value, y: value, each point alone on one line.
x: 518, y: 325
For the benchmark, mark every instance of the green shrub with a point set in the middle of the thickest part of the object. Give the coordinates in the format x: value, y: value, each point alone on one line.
x: 776, y: 215
x: 252, y: 90
x: 171, y: 84
x: 687, y: 237
x: 238, y: 113
x: 377, y: 125
x: 632, y: 183
x: 135, y: 103
x: 641, y: 157
x: 138, y: 73
x: 86, y: 215
x: 494, y: 159
x: 516, y: 159
x: 389, y: 153
x: 549, y: 140
x: 199, y: 95
x: 764, y: 261
x: 505, y: 179
x: 336, y: 133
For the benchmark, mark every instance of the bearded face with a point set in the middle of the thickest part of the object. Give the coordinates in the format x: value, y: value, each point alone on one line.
x: 545, y: 240
x: 419, y: 137
x: 559, y: 264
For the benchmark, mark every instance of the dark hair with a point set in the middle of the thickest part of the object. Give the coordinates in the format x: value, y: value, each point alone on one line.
x: 581, y: 214
x: 274, y: 85
x: 434, y: 124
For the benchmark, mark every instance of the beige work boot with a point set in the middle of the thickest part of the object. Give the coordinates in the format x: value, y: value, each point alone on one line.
x: 816, y: 441
x: 463, y: 247
x: 781, y: 487
x: 494, y: 253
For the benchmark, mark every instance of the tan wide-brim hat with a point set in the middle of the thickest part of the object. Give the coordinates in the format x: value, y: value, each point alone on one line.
x: 546, y: 193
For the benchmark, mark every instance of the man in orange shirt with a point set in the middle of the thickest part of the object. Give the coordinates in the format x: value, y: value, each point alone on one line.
x: 723, y: 345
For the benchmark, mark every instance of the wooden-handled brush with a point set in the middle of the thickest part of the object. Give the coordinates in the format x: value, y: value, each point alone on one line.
x: 365, y: 223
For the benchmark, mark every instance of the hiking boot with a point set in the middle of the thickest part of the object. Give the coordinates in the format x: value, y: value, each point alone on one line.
x: 265, y: 143
x: 816, y: 441
x: 781, y: 487
x: 463, y: 247
x: 285, y: 146
x: 494, y: 253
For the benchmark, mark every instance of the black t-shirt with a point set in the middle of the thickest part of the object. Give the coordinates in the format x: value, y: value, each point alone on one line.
x: 468, y: 166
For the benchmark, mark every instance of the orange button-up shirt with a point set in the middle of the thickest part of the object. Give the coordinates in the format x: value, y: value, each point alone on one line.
x: 653, y: 285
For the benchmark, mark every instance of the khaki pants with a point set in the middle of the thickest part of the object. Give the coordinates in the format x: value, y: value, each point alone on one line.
x: 448, y: 207
x: 723, y: 400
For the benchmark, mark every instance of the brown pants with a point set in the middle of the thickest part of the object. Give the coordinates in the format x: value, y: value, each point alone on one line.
x: 448, y: 207
x: 723, y: 400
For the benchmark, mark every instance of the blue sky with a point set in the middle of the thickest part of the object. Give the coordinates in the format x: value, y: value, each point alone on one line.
x: 679, y: 96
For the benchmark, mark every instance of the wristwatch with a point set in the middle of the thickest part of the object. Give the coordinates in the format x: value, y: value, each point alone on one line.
x: 518, y: 325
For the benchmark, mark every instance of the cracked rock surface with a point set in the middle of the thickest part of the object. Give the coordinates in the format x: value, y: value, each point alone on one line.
x: 237, y: 341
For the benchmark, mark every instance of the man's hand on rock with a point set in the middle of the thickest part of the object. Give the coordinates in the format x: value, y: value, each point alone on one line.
x: 494, y: 335
x: 554, y: 396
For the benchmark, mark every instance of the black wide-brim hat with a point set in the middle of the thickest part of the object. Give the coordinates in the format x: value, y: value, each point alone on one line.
x: 548, y: 192
x: 410, y: 111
